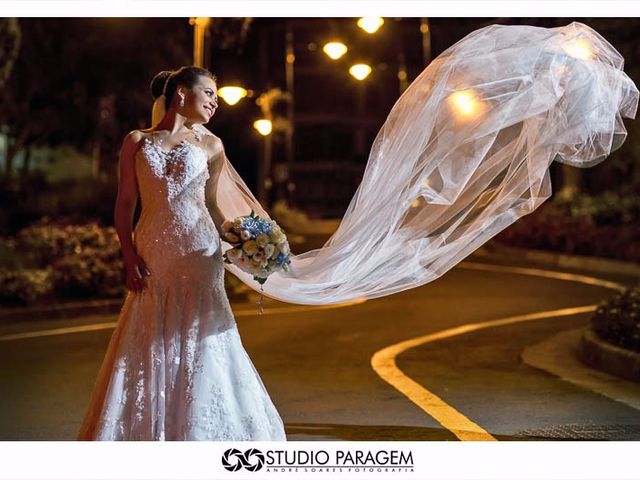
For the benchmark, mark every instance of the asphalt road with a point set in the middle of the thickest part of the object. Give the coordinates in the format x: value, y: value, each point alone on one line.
x: 316, y: 365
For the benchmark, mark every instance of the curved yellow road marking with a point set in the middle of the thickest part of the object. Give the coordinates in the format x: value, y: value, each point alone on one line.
x: 384, y: 364
x: 110, y: 325
x: 570, y: 277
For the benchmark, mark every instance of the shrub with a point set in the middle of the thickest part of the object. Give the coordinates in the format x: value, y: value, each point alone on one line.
x: 618, y: 319
x: 68, y: 261
x: 81, y: 261
x: 24, y: 287
x: 603, y: 226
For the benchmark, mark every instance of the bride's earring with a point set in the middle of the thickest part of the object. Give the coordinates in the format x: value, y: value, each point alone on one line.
x: 182, y: 102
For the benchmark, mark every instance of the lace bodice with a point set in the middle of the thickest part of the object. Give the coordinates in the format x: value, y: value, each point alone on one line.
x: 172, y: 190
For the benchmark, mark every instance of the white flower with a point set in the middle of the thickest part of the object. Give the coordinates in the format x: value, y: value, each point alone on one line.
x: 250, y: 247
x: 284, y: 248
x: 269, y: 250
x: 245, y: 235
x: 262, y: 239
x: 276, y: 236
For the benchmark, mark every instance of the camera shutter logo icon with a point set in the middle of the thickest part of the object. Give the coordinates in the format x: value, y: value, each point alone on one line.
x: 233, y: 459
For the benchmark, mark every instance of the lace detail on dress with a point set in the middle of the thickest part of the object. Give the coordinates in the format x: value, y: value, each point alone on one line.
x: 175, y: 367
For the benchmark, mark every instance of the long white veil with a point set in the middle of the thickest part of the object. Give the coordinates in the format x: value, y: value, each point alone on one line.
x: 463, y: 154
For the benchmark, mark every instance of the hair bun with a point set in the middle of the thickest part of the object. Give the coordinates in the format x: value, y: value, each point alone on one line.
x: 158, y: 83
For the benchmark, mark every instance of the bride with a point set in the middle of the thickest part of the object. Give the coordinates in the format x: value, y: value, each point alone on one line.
x: 175, y: 367
x: 463, y: 154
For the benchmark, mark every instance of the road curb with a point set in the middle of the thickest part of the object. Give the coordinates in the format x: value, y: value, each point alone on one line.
x: 79, y: 309
x: 558, y: 355
x: 560, y: 260
x: 602, y: 355
x: 63, y: 310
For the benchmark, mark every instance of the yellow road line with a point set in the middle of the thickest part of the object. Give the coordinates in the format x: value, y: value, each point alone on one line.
x: 110, y: 325
x: 570, y: 277
x: 384, y: 364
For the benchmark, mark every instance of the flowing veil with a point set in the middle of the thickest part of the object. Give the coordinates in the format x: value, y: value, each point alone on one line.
x: 463, y: 154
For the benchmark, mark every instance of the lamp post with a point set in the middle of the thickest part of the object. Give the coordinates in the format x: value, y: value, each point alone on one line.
x: 426, y: 41
x: 264, y: 127
x: 200, y: 25
x: 360, y: 71
x: 289, y: 78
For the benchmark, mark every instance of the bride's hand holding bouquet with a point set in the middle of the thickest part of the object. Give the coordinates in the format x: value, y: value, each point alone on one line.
x: 260, y: 246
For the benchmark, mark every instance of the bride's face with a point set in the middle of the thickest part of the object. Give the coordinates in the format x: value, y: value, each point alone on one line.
x: 203, y: 101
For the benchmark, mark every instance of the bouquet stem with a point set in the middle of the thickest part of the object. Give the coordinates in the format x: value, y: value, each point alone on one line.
x: 260, y: 302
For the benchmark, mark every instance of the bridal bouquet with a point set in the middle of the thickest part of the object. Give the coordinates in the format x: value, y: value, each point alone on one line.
x: 260, y: 246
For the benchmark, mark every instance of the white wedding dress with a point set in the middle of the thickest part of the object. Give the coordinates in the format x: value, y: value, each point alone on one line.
x: 175, y: 367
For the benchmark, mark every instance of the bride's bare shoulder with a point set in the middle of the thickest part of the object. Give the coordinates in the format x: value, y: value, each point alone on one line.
x: 135, y: 136
x: 213, y: 145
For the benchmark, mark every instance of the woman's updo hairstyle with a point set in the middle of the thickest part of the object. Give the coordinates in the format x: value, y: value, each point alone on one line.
x: 157, y: 84
x: 187, y: 76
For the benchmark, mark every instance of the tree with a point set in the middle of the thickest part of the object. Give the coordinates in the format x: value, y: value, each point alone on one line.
x: 84, y: 82
x: 9, y: 45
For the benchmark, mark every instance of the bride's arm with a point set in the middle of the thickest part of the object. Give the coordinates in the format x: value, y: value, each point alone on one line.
x: 136, y: 268
x: 216, y: 161
x: 127, y: 193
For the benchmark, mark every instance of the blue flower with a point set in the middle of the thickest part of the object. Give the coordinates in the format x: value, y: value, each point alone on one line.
x: 256, y: 226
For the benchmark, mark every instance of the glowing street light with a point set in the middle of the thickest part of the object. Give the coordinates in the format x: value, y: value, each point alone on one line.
x: 232, y: 94
x: 360, y: 71
x: 335, y: 50
x: 579, y: 48
x: 200, y: 25
x: 263, y: 126
x: 370, y: 24
x: 465, y: 103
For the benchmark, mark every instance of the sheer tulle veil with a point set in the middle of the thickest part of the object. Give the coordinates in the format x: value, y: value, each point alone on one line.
x: 463, y: 154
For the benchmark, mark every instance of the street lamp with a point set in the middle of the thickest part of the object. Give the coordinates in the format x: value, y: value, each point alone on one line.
x: 263, y: 126
x: 335, y: 50
x: 232, y: 94
x: 370, y: 24
x: 200, y: 25
x: 360, y: 71
x: 579, y: 48
x: 465, y: 104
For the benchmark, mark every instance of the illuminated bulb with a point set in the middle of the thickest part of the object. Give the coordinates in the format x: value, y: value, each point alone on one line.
x: 370, y: 24
x: 579, y: 48
x: 465, y: 103
x: 335, y: 50
x: 232, y: 95
x: 263, y: 126
x: 360, y: 71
